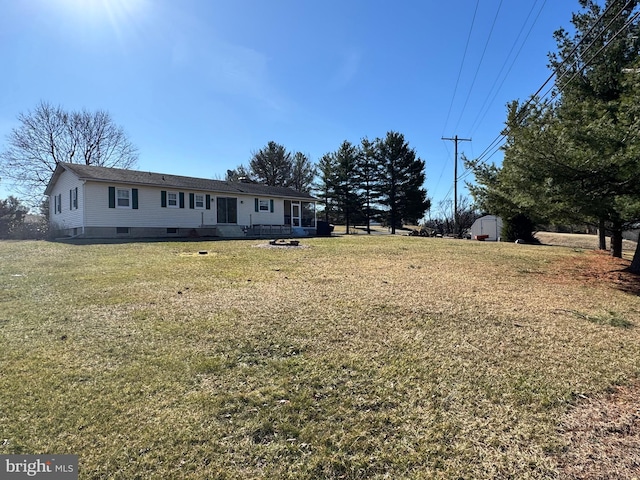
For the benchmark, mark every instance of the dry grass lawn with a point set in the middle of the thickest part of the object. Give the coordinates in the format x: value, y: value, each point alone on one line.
x: 354, y: 357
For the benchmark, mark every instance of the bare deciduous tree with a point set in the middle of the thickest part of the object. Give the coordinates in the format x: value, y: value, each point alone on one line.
x: 49, y: 135
x: 446, y: 221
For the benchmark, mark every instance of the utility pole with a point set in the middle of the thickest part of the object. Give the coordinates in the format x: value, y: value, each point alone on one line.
x: 455, y: 140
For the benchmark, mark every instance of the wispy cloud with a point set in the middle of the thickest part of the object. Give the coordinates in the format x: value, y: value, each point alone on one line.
x: 226, y: 68
x: 239, y: 70
x: 350, y: 60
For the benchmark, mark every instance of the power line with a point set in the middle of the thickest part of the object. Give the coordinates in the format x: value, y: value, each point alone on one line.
x: 444, y: 166
x: 496, y: 143
x: 479, y: 118
x: 575, y: 73
x: 495, y: 18
x: 464, y: 56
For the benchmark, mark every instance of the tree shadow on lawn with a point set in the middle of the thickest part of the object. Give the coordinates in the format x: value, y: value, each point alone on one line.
x: 600, y: 267
x: 630, y: 283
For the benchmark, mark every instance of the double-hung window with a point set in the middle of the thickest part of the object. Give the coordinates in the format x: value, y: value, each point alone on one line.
x: 199, y: 200
x: 74, y: 198
x: 120, y: 198
x: 172, y: 199
x: 264, y: 205
x: 123, y: 198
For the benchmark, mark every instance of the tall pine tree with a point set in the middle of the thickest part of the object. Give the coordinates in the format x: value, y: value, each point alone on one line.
x: 402, y: 178
x: 367, y: 176
x: 324, y: 186
x: 346, y: 188
x: 272, y: 165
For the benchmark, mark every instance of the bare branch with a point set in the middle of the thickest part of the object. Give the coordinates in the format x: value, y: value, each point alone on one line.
x: 49, y: 135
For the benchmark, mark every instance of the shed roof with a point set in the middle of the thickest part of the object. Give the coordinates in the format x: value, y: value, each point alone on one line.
x: 136, y: 177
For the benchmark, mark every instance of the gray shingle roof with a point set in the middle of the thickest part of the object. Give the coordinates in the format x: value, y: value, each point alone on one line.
x: 135, y: 177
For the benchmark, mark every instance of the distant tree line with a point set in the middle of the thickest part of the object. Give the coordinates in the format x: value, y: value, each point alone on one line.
x: 17, y: 224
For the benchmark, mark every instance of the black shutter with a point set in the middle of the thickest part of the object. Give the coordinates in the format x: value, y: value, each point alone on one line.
x: 75, y: 202
x: 112, y: 197
x: 192, y: 200
x: 163, y: 198
x: 181, y: 199
x: 134, y: 198
x: 271, y: 205
x: 208, y: 202
x: 256, y: 205
x: 71, y: 199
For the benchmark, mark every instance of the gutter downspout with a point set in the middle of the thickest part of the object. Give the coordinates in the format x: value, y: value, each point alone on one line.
x: 84, y: 210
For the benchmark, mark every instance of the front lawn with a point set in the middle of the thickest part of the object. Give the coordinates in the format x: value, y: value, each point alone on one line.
x: 348, y: 357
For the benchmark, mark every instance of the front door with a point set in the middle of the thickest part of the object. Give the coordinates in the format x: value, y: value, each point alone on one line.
x: 295, y: 214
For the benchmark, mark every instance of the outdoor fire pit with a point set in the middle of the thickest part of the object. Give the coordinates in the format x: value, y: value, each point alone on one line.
x: 284, y: 243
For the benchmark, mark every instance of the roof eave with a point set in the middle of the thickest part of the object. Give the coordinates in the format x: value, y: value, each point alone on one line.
x: 54, y: 178
x: 167, y: 185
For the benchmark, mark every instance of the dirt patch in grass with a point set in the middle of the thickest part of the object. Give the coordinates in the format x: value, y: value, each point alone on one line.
x: 602, y: 434
x: 603, y: 437
x: 597, y: 267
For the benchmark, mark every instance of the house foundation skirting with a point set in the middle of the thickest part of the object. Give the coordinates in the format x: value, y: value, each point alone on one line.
x: 136, y: 232
x: 223, y: 231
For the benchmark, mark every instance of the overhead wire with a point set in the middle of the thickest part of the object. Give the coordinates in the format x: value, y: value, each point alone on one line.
x: 444, y: 165
x: 475, y: 76
x: 464, y: 56
x: 488, y: 103
x: 497, y: 142
x: 604, y: 45
x: 502, y: 68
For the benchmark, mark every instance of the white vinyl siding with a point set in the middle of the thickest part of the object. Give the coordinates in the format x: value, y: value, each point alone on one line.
x: 76, y: 205
x: 267, y: 211
x: 150, y: 212
x: 62, y: 200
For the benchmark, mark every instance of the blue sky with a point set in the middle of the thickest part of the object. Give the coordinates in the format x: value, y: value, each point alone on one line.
x: 198, y: 85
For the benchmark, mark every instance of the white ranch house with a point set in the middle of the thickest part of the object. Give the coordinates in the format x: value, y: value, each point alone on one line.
x: 99, y: 202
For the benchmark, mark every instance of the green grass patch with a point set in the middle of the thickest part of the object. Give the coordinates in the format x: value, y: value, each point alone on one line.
x: 611, y: 318
x: 357, y: 357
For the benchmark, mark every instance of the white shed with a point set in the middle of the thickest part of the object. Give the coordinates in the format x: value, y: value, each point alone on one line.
x: 487, y: 228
